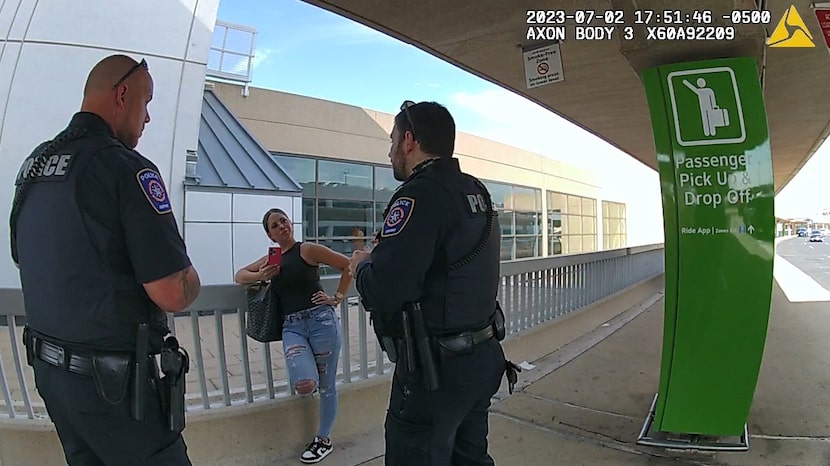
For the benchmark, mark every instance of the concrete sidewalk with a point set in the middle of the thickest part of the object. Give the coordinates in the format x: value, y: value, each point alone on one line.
x: 585, y: 402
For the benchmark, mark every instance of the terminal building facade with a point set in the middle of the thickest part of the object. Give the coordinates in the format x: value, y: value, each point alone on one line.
x: 337, y: 157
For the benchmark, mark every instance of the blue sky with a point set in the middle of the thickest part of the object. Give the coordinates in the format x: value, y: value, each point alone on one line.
x: 306, y: 50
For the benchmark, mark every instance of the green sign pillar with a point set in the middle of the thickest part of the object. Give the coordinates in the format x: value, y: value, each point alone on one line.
x: 715, y: 164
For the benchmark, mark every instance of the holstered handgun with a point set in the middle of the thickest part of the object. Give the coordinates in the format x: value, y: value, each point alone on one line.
x: 175, y: 363
x: 139, y: 395
x: 422, y: 344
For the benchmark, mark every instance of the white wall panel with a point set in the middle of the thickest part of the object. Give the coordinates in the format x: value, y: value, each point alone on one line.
x: 207, y: 207
x: 251, y: 207
x: 249, y: 243
x: 15, y: 16
x: 201, y: 35
x: 160, y: 26
x: 207, y: 246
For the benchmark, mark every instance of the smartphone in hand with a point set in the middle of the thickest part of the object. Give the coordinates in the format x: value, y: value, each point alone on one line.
x: 274, y: 255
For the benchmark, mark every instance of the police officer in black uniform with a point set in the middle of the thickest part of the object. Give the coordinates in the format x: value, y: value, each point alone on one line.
x: 101, y: 260
x: 436, y: 249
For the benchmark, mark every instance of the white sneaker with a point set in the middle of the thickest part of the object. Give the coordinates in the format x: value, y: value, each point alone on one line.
x: 316, y: 451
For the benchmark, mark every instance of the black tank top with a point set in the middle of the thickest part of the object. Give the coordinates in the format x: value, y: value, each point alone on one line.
x: 297, y: 281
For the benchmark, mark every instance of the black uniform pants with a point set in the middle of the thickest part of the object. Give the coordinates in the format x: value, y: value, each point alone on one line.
x: 447, y: 426
x: 94, y: 432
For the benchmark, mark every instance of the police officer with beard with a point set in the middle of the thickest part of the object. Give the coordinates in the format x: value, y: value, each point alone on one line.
x: 438, y: 249
x: 101, y: 260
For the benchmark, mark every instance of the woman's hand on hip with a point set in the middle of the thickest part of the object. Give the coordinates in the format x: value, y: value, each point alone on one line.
x: 321, y: 297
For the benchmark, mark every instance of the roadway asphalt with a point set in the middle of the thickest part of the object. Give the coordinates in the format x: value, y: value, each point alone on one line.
x: 811, y: 258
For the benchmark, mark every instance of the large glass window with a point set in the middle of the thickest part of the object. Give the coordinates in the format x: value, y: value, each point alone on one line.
x: 520, y: 217
x: 304, y: 171
x: 572, y: 223
x: 500, y: 194
x: 343, y: 202
x: 339, y: 219
x: 385, y: 183
x: 613, y: 225
x: 341, y: 180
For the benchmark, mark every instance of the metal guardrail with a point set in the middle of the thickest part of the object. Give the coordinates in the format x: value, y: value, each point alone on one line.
x: 232, y: 52
x: 228, y: 369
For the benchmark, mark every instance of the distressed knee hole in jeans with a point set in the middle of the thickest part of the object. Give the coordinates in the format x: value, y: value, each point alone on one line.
x: 305, y: 386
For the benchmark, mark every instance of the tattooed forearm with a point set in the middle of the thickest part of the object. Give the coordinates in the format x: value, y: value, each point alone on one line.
x: 190, y: 284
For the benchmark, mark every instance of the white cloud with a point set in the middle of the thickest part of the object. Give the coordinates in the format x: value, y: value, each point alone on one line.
x: 260, y: 56
x: 240, y: 64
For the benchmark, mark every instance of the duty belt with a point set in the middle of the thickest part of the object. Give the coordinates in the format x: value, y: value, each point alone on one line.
x: 463, y: 339
x: 57, y: 356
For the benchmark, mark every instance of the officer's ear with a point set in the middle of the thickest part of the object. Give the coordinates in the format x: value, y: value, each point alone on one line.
x: 121, y: 96
x: 409, y: 142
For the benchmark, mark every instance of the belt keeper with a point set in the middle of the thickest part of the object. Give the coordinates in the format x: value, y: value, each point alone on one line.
x: 63, y: 357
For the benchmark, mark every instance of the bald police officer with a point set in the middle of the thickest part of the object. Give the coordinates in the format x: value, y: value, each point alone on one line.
x: 436, y: 248
x: 101, y: 260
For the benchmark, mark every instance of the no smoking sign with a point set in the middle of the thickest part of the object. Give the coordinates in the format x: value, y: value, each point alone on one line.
x: 543, y: 65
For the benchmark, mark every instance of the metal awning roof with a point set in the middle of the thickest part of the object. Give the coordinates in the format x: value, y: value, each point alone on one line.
x: 230, y: 157
x: 602, y: 91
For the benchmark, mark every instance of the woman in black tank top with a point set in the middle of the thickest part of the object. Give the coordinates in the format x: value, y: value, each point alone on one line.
x: 311, y: 331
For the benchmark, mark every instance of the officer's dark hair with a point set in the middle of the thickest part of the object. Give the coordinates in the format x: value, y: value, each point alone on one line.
x: 434, y: 127
x: 268, y: 214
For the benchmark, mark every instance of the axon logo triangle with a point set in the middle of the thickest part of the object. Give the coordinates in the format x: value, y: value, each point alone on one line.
x: 791, y: 31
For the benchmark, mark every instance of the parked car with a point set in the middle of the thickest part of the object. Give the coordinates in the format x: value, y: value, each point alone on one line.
x: 816, y: 237
x: 801, y: 232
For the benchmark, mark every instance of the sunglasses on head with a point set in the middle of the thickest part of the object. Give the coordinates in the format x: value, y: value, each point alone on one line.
x: 405, y: 108
x: 141, y: 64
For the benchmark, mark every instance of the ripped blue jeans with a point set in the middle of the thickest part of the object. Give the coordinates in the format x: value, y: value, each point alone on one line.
x: 311, y: 340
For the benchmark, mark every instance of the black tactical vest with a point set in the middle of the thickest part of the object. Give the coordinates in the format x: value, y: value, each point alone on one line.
x: 71, y: 291
x: 461, y: 286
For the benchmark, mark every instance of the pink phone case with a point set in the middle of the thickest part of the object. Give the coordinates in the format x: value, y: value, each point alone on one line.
x: 274, y: 255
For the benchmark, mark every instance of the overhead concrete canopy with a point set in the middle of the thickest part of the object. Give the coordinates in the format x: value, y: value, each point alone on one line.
x: 602, y: 91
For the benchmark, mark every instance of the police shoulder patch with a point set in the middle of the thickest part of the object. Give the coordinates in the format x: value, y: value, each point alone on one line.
x: 153, y: 188
x: 398, y: 216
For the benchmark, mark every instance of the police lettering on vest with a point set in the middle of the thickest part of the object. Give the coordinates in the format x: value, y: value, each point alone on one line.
x: 477, y: 203
x: 55, y: 168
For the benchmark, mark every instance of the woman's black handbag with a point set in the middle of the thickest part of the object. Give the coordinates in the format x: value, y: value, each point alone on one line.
x: 263, y: 318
